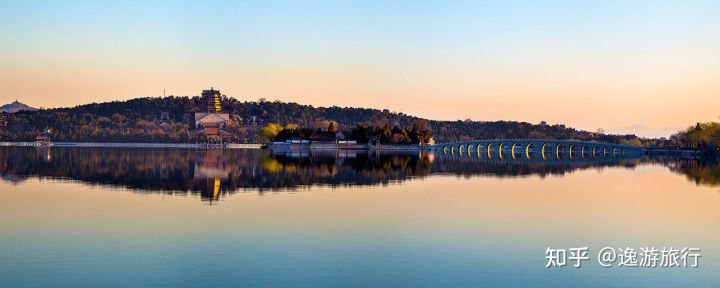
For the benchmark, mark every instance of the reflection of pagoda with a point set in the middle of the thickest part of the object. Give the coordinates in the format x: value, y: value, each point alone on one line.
x: 211, y: 170
x: 212, y: 121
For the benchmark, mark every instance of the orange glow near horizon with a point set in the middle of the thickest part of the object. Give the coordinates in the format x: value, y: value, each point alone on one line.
x: 649, y: 70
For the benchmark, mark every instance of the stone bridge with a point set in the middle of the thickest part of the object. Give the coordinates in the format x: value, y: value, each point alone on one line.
x: 535, y: 149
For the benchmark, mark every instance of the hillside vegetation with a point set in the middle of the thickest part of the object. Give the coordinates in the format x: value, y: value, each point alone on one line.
x: 136, y: 120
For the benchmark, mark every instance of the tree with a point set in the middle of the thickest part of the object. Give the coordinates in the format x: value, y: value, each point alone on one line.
x: 422, y: 130
x: 631, y: 142
x: 270, y: 131
x: 332, y: 127
x: 703, y: 133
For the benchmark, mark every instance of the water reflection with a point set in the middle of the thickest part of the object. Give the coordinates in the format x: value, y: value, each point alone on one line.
x: 701, y: 171
x: 212, y: 174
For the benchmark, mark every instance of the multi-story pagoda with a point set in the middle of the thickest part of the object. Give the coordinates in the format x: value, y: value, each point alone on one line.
x: 212, y: 121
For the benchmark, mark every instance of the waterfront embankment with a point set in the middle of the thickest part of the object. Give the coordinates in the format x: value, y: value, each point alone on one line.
x: 275, y: 146
x: 135, y: 145
x: 673, y: 152
x: 282, y: 146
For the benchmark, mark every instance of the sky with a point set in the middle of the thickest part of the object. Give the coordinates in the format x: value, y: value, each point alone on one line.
x: 644, y: 67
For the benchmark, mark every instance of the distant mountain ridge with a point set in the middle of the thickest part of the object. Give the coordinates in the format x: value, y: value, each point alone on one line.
x: 15, y: 107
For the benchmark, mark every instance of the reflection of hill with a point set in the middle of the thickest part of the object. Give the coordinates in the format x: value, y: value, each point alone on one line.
x: 208, y: 172
x: 702, y: 172
x: 212, y: 173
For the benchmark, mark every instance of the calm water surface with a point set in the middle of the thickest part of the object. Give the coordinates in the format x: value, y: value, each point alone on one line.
x: 75, y: 217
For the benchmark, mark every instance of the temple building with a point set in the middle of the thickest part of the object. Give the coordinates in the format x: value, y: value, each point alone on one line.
x: 44, y: 138
x: 211, y: 120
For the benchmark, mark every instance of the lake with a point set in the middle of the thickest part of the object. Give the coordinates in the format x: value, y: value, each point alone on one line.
x: 114, y: 217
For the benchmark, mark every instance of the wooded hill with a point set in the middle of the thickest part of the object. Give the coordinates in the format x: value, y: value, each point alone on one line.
x: 139, y: 120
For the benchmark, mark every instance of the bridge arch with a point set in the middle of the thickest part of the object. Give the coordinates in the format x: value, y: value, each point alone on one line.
x: 594, y: 151
x: 557, y: 150
x: 500, y: 151
x: 489, y: 147
x: 512, y: 150
x: 542, y: 151
x: 527, y: 151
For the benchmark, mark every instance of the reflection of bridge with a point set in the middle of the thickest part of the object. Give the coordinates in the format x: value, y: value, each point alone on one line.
x: 533, y: 148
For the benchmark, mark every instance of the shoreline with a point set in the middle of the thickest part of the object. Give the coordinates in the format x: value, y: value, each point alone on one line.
x: 134, y: 145
x: 292, y: 148
x: 274, y: 147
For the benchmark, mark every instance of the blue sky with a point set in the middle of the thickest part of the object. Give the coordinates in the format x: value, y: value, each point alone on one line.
x: 500, y: 60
